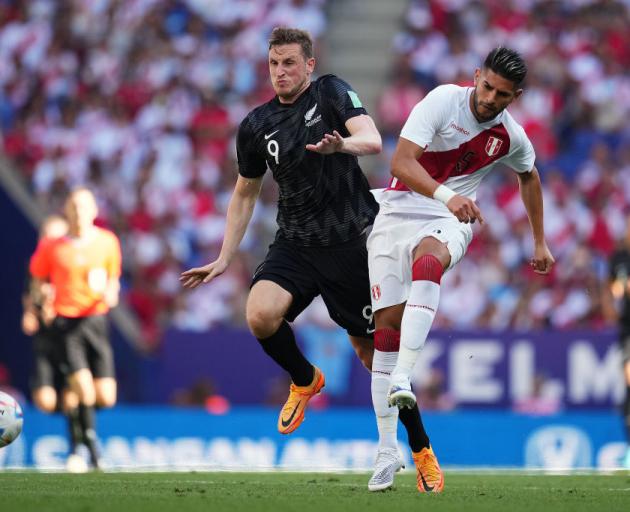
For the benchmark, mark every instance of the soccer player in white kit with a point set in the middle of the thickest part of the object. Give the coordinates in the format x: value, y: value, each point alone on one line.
x: 451, y: 140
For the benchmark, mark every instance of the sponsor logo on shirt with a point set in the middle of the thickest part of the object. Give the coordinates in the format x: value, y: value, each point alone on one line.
x: 460, y: 129
x: 376, y: 292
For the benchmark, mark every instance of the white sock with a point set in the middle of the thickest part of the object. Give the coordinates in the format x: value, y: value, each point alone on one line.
x: 386, y: 416
x: 416, y: 323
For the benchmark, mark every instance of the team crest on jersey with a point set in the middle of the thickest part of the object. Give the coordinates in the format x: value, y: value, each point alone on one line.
x: 493, y: 146
x: 376, y: 292
x: 308, y: 117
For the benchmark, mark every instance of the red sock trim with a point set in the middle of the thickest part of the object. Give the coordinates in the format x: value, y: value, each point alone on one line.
x: 427, y: 268
x: 387, y: 340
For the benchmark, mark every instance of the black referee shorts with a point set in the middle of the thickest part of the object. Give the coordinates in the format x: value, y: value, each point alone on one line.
x: 338, y: 273
x: 47, y: 361
x: 85, y: 344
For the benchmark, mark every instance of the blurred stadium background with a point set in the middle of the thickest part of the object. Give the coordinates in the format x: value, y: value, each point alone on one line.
x: 140, y: 100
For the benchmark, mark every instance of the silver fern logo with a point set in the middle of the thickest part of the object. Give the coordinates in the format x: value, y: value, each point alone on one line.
x: 308, y: 117
x: 309, y: 114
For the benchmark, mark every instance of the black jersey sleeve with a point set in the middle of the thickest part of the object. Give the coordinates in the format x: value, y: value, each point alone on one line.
x: 342, y: 98
x: 251, y: 164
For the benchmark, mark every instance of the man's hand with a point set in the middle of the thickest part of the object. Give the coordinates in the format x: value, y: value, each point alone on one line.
x: 196, y: 276
x: 30, y: 324
x: 328, y: 145
x: 542, y: 260
x: 464, y: 209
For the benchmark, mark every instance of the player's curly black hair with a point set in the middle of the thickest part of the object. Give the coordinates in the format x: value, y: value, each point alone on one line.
x: 508, y: 63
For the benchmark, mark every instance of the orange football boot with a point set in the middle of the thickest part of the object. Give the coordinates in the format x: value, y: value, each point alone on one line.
x: 428, y: 473
x: 292, y: 413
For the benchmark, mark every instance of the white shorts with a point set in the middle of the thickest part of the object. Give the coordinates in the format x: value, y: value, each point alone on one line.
x: 390, y: 251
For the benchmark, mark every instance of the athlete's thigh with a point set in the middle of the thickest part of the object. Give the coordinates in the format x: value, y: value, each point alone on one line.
x: 269, y: 297
x: 391, y: 248
x: 446, y: 238
x: 389, y: 259
x: 284, y: 266
x: 344, y: 285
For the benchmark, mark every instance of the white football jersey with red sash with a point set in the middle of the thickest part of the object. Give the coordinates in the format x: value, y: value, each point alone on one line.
x: 458, y: 150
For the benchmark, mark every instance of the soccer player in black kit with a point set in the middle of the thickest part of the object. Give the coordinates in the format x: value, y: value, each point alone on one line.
x: 309, y: 135
x: 620, y: 288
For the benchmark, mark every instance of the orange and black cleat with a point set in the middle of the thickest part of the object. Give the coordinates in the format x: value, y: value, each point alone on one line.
x: 292, y: 413
x: 428, y: 473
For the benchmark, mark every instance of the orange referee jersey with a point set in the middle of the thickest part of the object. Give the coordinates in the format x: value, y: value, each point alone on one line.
x: 80, y: 270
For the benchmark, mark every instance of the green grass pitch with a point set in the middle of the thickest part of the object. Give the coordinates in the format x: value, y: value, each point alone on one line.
x: 305, y: 492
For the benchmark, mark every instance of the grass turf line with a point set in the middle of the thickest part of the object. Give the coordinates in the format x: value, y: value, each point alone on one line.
x: 305, y: 492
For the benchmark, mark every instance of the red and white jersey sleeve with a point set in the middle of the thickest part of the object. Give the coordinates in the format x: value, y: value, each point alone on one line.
x: 458, y: 150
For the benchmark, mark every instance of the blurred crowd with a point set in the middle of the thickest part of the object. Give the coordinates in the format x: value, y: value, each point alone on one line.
x: 140, y: 100
x: 575, y: 110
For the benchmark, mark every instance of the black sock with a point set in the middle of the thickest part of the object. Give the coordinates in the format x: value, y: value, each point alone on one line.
x: 410, y: 418
x: 74, y: 429
x: 88, y: 423
x: 283, y: 349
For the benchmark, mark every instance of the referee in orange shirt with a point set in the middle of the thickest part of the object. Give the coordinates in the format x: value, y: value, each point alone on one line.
x: 83, y: 268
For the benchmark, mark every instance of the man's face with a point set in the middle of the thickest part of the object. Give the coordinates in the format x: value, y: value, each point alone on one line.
x: 80, y: 209
x: 289, y: 70
x: 492, y: 94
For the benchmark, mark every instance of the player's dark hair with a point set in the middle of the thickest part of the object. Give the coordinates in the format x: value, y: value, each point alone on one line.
x: 285, y: 35
x: 508, y: 63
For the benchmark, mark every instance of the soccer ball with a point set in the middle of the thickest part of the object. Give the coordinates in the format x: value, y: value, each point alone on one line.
x: 11, y: 419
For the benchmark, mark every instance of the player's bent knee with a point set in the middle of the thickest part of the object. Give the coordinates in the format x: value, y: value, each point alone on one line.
x: 390, y: 317
x: 263, y: 322
x: 45, y: 399
x: 105, y: 392
x: 70, y: 400
x: 105, y: 402
x: 82, y: 384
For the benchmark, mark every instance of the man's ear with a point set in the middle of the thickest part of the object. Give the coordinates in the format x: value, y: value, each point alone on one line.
x: 477, y: 75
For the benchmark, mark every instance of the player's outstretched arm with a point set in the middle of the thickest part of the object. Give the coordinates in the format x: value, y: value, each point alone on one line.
x: 531, y: 194
x: 407, y: 169
x: 239, y: 214
x: 364, y: 139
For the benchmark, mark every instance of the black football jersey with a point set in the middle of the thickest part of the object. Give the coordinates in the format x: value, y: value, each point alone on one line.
x: 323, y: 199
x: 620, y: 270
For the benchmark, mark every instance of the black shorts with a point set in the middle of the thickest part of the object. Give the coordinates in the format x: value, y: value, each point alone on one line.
x: 85, y: 344
x: 47, y: 361
x: 339, y: 274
